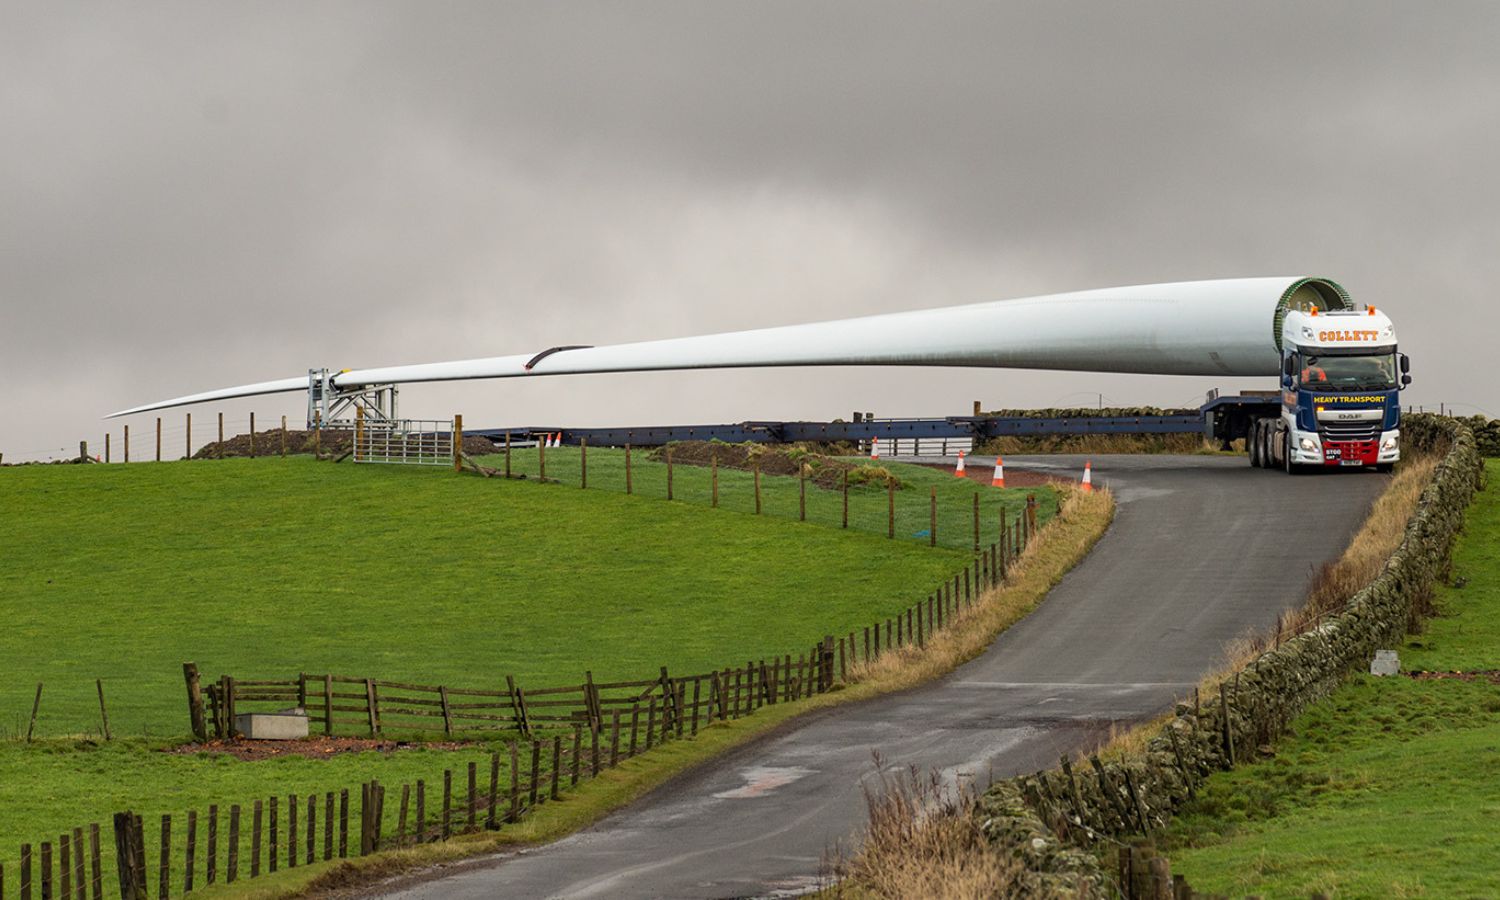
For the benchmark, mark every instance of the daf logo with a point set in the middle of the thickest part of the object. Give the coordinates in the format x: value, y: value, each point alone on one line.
x: 1349, y: 416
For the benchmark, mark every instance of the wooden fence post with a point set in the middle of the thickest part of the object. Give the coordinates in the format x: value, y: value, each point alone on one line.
x: 283, y: 437
x: 191, y: 852
x: 447, y: 710
x: 273, y: 848
x: 490, y: 821
x: 188, y: 435
x: 401, y: 840
x: 103, y: 712
x: 96, y: 867
x: 35, y: 705
x: 257, y: 813
x: 371, y: 707
x: 158, y: 438
x: 125, y: 443
x: 65, y: 864
x: 419, y: 828
x: 507, y: 454
x: 232, y: 862
x: 458, y: 442
x: 220, y: 453
x: 211, y: 858
x: 358, y: 411
x: 846, y: 499
x: 328, y: 705
x: 106, y: 446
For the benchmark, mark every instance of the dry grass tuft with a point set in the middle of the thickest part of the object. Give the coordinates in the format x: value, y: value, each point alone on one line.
x: 1335, y: 583
x: 924, y: 840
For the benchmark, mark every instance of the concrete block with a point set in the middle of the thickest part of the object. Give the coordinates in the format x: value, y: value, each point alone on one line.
x: 1385, y: 663
x: 290, y: 725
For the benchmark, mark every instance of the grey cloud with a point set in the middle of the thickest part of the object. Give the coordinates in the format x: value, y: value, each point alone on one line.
x: 204, y: 195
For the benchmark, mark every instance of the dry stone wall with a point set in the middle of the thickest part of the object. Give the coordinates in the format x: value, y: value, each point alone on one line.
x: 1051, y: 818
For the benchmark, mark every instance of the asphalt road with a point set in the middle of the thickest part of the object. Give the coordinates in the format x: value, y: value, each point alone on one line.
x: 1203, y: 550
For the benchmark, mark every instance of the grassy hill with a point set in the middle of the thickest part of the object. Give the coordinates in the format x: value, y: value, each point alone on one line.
x: 269, y: 567
x: 273, y: 566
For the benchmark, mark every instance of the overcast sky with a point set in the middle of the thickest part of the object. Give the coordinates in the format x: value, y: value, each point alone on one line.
x: 201, y: 195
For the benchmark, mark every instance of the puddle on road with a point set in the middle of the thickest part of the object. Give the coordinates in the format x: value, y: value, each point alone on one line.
x: 762, y: 780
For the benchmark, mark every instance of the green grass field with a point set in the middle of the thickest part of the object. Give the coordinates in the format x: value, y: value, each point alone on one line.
x: 269, y: 567
x: 1391, y: 787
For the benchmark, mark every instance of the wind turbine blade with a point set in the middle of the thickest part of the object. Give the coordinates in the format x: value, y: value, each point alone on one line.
x: 1223, y: 327
x: 250, y: 390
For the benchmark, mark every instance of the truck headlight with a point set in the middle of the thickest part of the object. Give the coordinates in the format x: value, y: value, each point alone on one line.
x: 1308, y: 444
x: 1389, y: 443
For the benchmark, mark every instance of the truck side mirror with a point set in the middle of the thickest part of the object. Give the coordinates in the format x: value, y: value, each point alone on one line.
x: 1405, y: 380
x: 1286, y: 367
x: 1405, y: 366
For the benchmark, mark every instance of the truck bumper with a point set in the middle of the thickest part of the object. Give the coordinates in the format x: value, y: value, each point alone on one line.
x: 1385, y: 449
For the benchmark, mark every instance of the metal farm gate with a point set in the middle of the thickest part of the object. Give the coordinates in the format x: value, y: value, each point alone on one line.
x: 412, y: 442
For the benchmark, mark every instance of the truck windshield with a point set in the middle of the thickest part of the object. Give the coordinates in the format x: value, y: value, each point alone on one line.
x: 1373, y: 372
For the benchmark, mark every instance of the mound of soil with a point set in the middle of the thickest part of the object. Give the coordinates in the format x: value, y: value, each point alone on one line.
x: 823, y: 471
x: 312, y: 748
x: 331, y: 444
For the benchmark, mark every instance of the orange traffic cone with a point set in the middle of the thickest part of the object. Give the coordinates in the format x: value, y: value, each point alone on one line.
x: 1088, y: 476
x: 557, y: 439
x: 959, y: 472
x: 999, y: 479
x: 875, y: 448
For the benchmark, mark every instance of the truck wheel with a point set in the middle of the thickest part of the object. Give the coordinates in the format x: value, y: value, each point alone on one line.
x: 1384, y: 467
x: 1286, y: 449
x: 1252, y: 444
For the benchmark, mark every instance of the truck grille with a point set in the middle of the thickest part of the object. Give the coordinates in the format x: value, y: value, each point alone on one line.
x: 1351, y: 431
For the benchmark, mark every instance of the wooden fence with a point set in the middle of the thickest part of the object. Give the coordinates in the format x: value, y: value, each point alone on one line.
x: 566, y: 735
x: 374, y: 707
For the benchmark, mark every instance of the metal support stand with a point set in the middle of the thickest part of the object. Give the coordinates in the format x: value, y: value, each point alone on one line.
x: 328, y: 403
